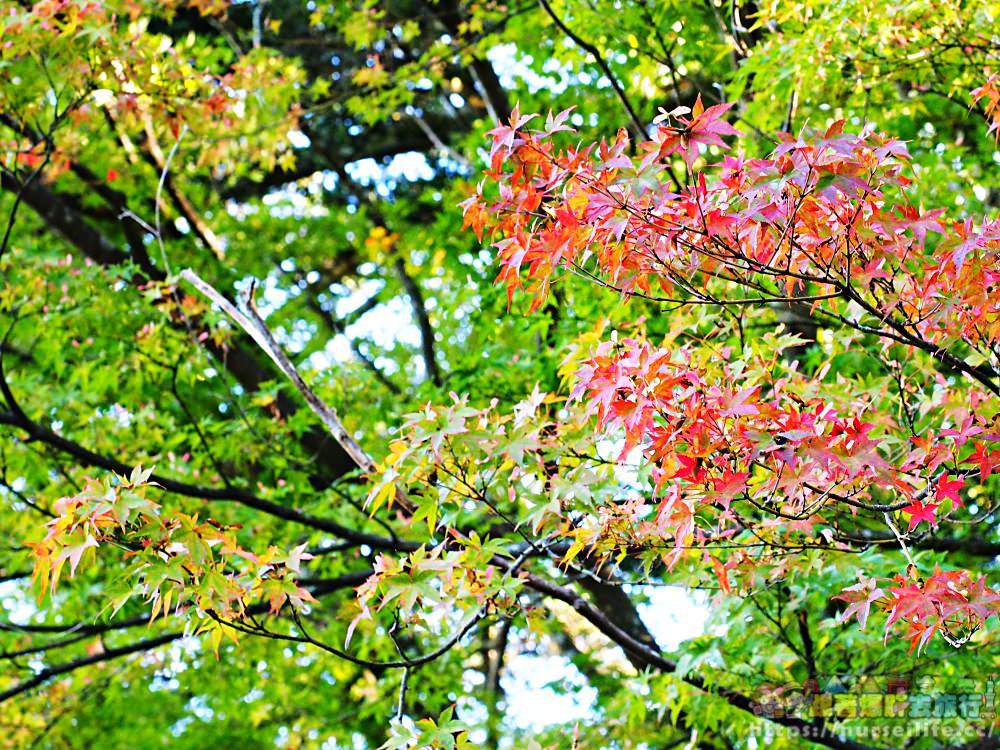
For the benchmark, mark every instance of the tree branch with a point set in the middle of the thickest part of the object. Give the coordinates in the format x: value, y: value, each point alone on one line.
x: 154, y: 155
x: 115, y: 653
x: 319, y: 587
x: 657, y: 661
x: 60, y: 217
x: 36, y: 431
x: 635, y: 123
x: 423, y: 320
x: 253, y: 325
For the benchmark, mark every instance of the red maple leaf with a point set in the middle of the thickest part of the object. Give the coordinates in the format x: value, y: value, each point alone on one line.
x: 982, y: 599
x: 505, y: 136
x: 705, y: 127
x: 985, y: 459
x: 919, y: 512
x: 728, y: 486
x: 949, y: 488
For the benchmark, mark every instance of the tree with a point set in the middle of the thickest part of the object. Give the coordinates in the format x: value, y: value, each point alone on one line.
x: 339, y: 390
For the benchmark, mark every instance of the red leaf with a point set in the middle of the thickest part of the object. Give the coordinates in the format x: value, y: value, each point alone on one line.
x: 948, y: 488
x: 919, y: 512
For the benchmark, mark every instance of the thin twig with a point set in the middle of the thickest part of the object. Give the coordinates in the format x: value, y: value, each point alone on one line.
x: 159, y: 193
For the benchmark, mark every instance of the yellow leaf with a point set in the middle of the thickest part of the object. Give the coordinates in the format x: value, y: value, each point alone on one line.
x: 384, y: 492
x: 396, y: 449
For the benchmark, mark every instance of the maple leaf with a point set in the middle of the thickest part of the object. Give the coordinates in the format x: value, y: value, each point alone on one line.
x: 948, y: 488
x: 909, y: 600
x: 919, y: 512
x: 75, y: 552
x: 965, y: 240
x: 294, y: 559
x: 921, y: 633
x: 728, y: 486
x: 920, y: 224
x: 860, y: 598
x: 557, y: 123
x: 736, y: 405
x: 505, y: 136
x: 721, y: 571
x: 982, y: 599
x: 985, y: 459
x: 962, y: 435
x: 873, y: 269
x: 705, y: 127
x: 989, y: 92
x: 474, y: 215
x: 690, y: 468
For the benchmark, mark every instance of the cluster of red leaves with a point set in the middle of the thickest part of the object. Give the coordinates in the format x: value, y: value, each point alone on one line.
x: 951, y: 602
x: 988, y: 96
x: 823, y: 219
x: 710, y: 443
x: 816, y: 212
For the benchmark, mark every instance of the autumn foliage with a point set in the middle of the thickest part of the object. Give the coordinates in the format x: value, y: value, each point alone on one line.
x: 823, y: 221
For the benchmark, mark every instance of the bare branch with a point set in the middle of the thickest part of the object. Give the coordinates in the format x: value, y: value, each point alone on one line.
x: 636, y: 124
x: 115, y: 653
x: 253, y: 325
